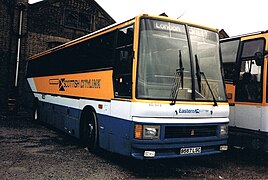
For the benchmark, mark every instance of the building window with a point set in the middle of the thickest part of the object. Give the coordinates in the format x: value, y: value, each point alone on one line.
x: 76, y: 19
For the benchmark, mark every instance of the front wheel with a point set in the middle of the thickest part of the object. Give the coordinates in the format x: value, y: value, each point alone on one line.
x: 89, y: 131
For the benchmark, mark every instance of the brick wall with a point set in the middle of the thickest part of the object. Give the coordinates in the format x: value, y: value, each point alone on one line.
x: 45, y: 24
x: 9, y: 18
x: 41, y: 42
x: 67, y: 19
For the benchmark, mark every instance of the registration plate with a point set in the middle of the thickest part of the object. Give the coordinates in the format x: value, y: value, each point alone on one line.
x: 192, y: 150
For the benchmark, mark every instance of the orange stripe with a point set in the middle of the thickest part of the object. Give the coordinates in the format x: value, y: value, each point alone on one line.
x: 230, y: 90
x: 97, y: 85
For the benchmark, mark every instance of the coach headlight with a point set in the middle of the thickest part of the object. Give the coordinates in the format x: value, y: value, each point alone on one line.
x: 151, y: 132
x: 147, y: 131
x: 224, y: 130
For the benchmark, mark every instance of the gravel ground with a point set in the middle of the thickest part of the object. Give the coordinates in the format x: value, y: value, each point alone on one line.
x: 36, y: 151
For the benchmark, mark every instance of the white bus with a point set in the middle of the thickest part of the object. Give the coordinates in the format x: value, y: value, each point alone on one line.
x: 245, y: 67
x: 150, y: 87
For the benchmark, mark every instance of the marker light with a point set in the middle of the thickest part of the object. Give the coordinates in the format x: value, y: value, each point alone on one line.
x: 149, y: 154
x: 223, y: 147
x: 224, y: 130
x: 138, y: 131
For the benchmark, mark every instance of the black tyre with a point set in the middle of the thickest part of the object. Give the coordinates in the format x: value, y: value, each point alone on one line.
x: 89, y: 131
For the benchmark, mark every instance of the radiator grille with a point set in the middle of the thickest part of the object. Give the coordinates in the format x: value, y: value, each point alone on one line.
x: 190, y: 131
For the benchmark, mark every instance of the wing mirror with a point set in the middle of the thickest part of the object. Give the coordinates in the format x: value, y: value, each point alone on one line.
x: 259, y: 58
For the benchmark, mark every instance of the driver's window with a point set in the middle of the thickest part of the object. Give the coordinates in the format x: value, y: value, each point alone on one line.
x: 123, y: 63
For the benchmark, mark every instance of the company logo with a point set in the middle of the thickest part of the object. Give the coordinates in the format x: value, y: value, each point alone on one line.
x: 63, y: 83
x: 189, y: 111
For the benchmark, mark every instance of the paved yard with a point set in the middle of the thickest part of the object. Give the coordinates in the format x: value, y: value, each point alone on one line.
x: 36, y: 151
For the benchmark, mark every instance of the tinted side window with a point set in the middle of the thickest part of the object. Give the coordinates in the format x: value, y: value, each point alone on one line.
x: 92, y: 54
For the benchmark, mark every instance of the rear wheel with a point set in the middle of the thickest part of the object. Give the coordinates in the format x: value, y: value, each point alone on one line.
x: 89, y: 130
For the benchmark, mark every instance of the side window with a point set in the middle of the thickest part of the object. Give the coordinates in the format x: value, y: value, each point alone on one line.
x: 92, y: 54
x: 229, y: 51
x: 123, y: 63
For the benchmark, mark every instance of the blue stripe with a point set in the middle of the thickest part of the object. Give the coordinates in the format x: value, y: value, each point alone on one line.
x: 63, y: 118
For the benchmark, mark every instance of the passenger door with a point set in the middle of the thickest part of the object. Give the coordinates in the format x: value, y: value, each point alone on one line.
x: 249, y: 85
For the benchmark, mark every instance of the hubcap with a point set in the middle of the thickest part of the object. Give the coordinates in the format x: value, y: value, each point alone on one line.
x: 35, y: 114
x: 90, y: 129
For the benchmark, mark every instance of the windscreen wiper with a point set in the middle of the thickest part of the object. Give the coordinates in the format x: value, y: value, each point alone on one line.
x: 178, y: 80
x: 199, y: 75
x: 181, y: 69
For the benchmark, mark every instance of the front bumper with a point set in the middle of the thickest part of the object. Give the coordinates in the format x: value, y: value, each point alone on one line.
x: 172, y: 148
